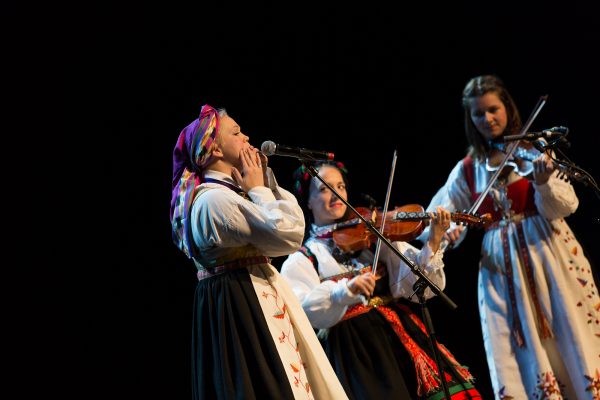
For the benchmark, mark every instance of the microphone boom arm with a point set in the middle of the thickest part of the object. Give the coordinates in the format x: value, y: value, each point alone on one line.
x: 269, y: 148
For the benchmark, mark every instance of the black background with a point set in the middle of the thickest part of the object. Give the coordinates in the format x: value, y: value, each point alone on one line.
x: 113, y: 319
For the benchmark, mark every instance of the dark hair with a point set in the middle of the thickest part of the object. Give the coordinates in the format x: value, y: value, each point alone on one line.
x: 477, y: 87
x: 302, y: 179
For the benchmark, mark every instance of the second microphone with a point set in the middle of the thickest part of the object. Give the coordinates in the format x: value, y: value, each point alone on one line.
x: 269, y: 148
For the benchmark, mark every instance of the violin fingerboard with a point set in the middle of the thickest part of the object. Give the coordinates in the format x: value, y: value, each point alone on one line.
x: 411, y: 216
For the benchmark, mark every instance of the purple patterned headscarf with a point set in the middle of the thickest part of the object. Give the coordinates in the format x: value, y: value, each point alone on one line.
x: 192, y: 153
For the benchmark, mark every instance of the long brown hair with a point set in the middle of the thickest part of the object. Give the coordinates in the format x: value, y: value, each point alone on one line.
x: 476, y: 87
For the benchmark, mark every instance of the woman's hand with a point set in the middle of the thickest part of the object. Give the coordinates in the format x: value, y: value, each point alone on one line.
x: 440, y: 222
x: 543, y: 167
x: 452, y: 235
x: 252, y: 170
x: 264, y: 160
x: 362, y: 284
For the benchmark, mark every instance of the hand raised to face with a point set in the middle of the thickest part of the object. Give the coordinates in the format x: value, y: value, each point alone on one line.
x: 252, y: 170
x: 264, y: 161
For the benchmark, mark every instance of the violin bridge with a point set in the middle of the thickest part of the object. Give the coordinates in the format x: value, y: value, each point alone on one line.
x: 374, y: 217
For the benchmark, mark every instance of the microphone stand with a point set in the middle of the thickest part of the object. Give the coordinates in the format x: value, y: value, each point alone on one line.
x: 422, y: 283
x: 419, y: 288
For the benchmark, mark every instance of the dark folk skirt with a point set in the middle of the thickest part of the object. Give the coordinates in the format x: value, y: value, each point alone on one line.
x: 372, y: 363
x: 233, y: 353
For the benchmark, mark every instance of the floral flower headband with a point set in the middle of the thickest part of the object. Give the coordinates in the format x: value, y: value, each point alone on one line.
x: 302, y: 176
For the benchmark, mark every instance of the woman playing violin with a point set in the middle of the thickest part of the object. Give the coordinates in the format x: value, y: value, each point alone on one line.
x: 376, y: 345
x: 538, y: 303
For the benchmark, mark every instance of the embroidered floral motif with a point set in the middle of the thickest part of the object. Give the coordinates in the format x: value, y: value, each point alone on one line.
x: 323, y: 232
x: 547, y: 387
x: 280, y: 314
x: 287, y: 337
x: 582, y: 282
x: 282, y: 337
x: 594, y: 386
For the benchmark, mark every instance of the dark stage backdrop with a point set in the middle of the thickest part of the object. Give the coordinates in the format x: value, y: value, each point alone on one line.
x: 360, y: 82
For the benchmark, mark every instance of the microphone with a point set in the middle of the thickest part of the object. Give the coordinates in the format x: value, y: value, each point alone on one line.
x: 269, y: 148
x: 549, y: 134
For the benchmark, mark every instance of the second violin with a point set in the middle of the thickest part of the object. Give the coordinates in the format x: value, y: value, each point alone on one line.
x: 521, y: 161
x: 404, y: 223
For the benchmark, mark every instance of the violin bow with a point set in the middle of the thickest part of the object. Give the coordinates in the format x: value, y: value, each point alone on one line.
x: 510, y: 150
x: 385, y: 207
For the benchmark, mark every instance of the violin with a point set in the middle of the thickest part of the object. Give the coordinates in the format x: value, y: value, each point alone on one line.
x: 403, y: 223
x: 521, y: 161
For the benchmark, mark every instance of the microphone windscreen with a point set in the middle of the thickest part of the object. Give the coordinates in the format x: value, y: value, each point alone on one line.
x: 268, y: 148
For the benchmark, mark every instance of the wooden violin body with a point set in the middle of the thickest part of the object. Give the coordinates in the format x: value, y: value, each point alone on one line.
x: 403, y: 223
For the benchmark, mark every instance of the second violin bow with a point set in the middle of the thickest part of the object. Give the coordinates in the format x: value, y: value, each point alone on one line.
x: 385, y: 207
